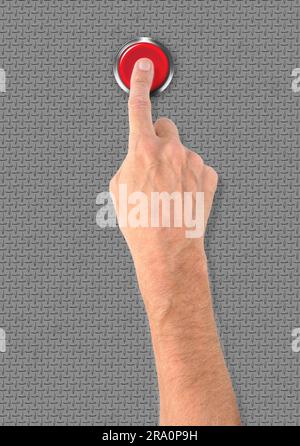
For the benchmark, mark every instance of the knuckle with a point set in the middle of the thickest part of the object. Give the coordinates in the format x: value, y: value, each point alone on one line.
x: 149, y: 147
x: 146, y: 154
x: 175, y: 152
x: 175, y: 148
x: 140, y: 80
x: 113, y: 183
x: 213, y: 176
x: 164, y: 120
x: 196, y: 159
x: 165, y: 124
x: 139, y: 102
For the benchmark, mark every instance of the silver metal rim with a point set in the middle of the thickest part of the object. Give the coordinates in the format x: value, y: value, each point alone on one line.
x: 154, y: 42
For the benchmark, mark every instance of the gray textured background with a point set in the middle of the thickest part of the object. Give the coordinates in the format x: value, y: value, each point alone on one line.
x: 78, y: 347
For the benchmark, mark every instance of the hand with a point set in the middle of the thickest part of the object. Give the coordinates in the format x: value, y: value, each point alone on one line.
x: 194, y: 384
x: 157, y: 161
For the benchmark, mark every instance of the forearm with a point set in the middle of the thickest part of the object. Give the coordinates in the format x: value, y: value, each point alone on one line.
x: 194, y: 384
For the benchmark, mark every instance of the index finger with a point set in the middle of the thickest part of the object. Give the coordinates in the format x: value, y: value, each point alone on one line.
x: 139, y: 104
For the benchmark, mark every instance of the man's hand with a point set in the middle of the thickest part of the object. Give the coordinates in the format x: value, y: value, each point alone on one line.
x: 194, y: 385
x: 157, y: 161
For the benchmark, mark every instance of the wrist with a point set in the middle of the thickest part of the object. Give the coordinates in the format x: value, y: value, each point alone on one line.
x: 174, y: 287
x: 179, y: 308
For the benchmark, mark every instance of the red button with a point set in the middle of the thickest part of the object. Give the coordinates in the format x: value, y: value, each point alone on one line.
x: 151, y: 50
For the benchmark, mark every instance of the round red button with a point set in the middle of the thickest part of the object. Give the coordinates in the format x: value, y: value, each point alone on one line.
x: 144, y: 47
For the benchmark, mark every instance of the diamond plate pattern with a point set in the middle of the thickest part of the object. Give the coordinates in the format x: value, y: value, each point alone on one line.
x: 78, y: 346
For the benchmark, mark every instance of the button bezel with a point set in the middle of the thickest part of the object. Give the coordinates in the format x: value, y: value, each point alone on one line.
x: 153, y: 42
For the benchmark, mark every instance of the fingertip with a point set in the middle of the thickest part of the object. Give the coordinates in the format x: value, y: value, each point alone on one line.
x: 142, y: 73
x: 144, y: 64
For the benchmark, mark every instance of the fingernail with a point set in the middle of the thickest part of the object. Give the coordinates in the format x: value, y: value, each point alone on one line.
x: 144, y: 65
